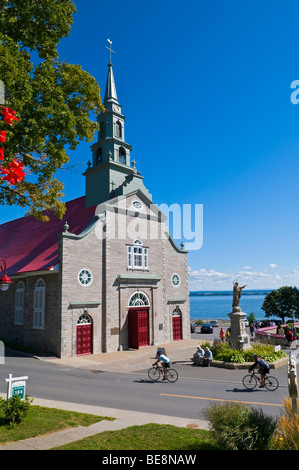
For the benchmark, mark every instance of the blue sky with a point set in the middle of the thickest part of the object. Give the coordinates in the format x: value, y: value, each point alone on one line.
x: 205, y: 88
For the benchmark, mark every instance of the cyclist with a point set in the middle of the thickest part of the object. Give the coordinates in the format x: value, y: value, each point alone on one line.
x: 264, y: 368
x: 165, y: 362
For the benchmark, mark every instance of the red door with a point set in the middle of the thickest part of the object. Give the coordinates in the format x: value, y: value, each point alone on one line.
x: 138, y: 327
x: 84, y: 339
x: 176, y: 327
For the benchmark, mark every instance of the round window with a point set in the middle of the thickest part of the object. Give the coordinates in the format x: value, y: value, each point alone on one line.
x: 136, y: 204
x: 85, y: 277
x: 175, y: 279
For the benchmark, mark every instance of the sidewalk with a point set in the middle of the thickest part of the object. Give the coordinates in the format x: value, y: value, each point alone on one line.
x: 121, y: 361
x: 131, y: 360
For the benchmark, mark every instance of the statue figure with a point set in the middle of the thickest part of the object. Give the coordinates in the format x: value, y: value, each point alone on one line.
x: 237, y: 291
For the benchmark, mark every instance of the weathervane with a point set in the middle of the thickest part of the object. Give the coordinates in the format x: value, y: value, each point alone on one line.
x: 109, y: 48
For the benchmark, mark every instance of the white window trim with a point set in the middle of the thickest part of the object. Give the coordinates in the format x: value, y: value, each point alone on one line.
x: 39, y: 305
x: 179, y: 278
x: 136, y: 204
x: 20, y: 304
x: 84, y: 319
x: 84, y: 284
x: 138, y: 299
x: 138, y: 256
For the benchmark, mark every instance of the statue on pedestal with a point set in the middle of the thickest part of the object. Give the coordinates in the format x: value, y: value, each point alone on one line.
x: 237, y: 291
x: 238, y: 338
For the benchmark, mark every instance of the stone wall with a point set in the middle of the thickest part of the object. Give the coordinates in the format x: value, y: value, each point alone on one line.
x: 78, y: 253
x: 46, y: 339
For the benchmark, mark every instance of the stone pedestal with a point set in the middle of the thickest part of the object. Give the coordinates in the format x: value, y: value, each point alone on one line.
x: 238, y: 338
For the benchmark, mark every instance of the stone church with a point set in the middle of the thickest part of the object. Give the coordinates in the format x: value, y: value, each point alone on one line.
x: 108, y: 276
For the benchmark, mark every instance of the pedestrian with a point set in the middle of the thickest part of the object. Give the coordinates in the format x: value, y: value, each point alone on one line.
x: 198, y: 356
x: 227, y: 333
x: 222, y: 335
x: 289, y: 337
x: 208, y: 357
x: 251, y: 327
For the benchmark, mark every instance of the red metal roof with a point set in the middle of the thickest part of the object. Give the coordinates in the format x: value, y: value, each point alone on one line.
x: 28, y: 244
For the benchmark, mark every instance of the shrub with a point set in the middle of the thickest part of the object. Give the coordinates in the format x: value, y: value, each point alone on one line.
x: 287, y: 437
x: 222, y: 352
x: 266, y: 352
x: 15, y: 409
x: 237, y: 427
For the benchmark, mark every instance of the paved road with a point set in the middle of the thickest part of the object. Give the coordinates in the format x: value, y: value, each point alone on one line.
x: 188, y: 397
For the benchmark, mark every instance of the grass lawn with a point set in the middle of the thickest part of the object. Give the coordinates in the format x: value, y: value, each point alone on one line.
x: 41, y: 420
x: 147, y: 437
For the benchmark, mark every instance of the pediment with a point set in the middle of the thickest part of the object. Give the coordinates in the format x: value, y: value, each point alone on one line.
x: 134, y: 203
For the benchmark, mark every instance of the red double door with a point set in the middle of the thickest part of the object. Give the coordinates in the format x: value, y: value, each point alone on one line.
x: 84, y: 339
x: 138, y: 327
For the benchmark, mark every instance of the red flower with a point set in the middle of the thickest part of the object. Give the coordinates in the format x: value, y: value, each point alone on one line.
x: 1, y: 153
x: 2, y: 136
x: 14, y: 172
x: 9, y: 115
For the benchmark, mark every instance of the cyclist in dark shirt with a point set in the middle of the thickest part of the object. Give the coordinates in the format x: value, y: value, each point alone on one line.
x: 264, y: 368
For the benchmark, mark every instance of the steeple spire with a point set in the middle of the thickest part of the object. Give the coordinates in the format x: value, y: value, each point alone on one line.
x: 110, y: 85
x: 110, y: 93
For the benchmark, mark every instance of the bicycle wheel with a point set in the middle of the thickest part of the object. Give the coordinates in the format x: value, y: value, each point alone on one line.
x: 172, y: 375
x: 154, y: 374
x: 271, y: 383
x: 250, y: 381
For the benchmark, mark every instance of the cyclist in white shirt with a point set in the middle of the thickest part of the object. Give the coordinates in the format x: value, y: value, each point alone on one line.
x: 165, y: 362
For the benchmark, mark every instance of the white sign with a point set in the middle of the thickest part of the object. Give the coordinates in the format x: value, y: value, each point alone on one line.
x: 16, y: 386
x: 277, y: 348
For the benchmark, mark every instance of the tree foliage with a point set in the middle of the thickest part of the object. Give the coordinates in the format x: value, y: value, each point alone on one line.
x: 55, y: 101
x: 280, y: 302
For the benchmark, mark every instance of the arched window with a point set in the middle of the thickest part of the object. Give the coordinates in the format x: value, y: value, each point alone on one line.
x: 176, y: 312
x: 122, y: 155
x: 118, y: 130
x: 84, y: 319
x: 39, y: 304
x: 98, y: 155
x: 139, y: 299
x: 20, y: 304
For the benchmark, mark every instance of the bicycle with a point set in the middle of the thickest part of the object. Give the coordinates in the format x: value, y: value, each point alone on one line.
x: 250, y: 381
x: 155, y: 373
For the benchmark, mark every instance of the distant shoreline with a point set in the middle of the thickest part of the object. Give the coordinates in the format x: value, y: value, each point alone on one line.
x: 200, y: 293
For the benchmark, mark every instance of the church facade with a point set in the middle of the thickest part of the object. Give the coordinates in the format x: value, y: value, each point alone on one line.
x: 108, y: 276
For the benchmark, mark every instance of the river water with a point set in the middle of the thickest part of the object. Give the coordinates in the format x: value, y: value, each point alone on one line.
x: 218, y: 304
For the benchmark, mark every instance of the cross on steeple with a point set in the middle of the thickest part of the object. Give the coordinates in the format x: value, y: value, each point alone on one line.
x: 109, y: 48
